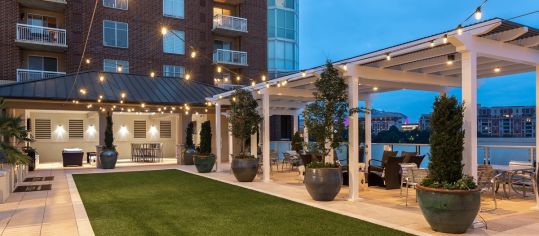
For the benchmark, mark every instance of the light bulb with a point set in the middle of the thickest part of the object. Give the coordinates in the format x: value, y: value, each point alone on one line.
x: 88, y: 61
x: 193, y: 54
x: 303, y: 74
x: 263, y: 78
x: 164, y: 31
x: 101, y: 78
x: 253, y: 83
x: 432, y: 44
x: 123, y: 95
x: 238, y: 78
x: 497, y: 69
x: 445, y: 38
x: 459, y: 30
x: 388, y: 57
x: 152, y: 74
x: 187, y: 77
x: 219, y: 69
x: 375, y: 88
x: 119, y: 68
x: 478, y: 13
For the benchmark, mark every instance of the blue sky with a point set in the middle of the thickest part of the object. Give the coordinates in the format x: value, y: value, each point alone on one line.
x: 338, y: 29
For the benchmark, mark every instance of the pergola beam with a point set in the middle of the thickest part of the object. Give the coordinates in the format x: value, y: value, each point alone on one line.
x: 302, y: 93
x: 415, y: 56
x: 392, y: 85
x: 396, y: 76
x: 441, y: 60
x: 527, y: 42
x: 508, y: 35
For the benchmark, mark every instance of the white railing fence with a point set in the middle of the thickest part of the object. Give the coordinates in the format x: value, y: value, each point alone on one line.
x: 230, y: 57
x: 230, y: 23
x: 30, y: 75
x: 41, y: 35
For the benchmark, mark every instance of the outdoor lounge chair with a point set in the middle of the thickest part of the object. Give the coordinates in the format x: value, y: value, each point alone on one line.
x: 413, y: 159
x: 72, y: 157
x: 292, y: 160
x: 487, y: 180
x: 389, y: 177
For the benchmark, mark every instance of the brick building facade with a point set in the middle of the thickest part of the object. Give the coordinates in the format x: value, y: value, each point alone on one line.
x: 23, y: 41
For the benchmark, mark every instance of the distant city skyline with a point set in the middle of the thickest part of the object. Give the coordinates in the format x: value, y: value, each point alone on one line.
x: 352, y: 27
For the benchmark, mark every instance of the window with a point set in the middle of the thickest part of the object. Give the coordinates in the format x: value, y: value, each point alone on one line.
x: 76, y: 129
x: 173, y: 71
x: 282, y: 55
x: 115, y: 34
x: 42, y: 129
x: 173, y: 8
x: 118, y: 4
x: 283, y: 127
x: 110, y: 65
x: 173, y: 42
x: 38, y: 20
x: 282, y: 24
x: 165, y: 129
x: 139, y: 130
x: 282, y: 3
x: 221, y: 11
x: 42, y: 63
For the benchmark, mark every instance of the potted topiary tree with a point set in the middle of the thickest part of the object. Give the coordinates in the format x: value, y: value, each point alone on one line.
x: 108, y: 156
x: 448, y: 199
x: 324, y: 119
x: 189, y: 150
x: 245, y: 121
x: 297, y: 142
x: 204, y: 159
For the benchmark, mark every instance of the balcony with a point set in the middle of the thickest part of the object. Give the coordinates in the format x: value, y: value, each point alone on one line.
x: 229, y: 57
x: 41, y: 38
x: 50, y: 5
x: 229, y: 25
x: 230, y: 2
x: 24, y: 75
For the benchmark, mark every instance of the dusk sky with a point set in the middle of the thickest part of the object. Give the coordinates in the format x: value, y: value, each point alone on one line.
x: 345, y: 28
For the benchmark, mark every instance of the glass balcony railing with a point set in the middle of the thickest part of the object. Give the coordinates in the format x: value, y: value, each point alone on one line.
x: 230, y: 23
x: 223, y: 56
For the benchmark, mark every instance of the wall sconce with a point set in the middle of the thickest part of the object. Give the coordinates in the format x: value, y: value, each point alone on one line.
x: 59, y: 131
x: 153, y: 130
x: 91, y: 131
x: 124, y: 131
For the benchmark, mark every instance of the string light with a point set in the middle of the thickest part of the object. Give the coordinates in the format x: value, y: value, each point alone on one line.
x: 263, y: 78
x: 267, y: 85
x: 375, y: 88
x: 497, y: 69
x: 187, y: 76
x: 193, y: 54
x: 478, y: 13
x: 303, y: 74
x: 119, y: 68
x: 101, y: 78
x: 432, y: 44
x: 100, y: 96
x: 123, y: 95
x: 459, y: 29
x: 219, y: 69
x: 388, y: 57
x: 99, y: 100
x: 88, y: 61
x: 253, y: 83
x: 238, y: 78
x: 445, y: 38
x: 345, y: 67
x: 152, y: 74
x: 450, y: 59
x: 82, y: 91
x: 285, y: 82
x: 164, y: 31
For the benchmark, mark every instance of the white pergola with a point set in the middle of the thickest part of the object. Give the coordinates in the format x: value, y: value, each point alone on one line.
x: 435, y: 63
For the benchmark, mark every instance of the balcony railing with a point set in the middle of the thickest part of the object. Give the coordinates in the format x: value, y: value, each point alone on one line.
x: 30, y: 75
x: 41, y: 35
x: 229, y: 23
x: 230, y: 57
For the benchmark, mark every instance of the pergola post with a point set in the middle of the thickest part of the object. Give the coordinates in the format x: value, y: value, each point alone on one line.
x: 254, y: 145
x: 536, y: 187
x: 218, y: 137
x: 295, y: 122
x: 266, y: 136
x: 230, y: 144
x: 368, y: 131
x: 353, y: 139
x: 469, y: 98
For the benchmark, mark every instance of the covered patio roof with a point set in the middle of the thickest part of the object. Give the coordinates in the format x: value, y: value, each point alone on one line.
x: 451, y: 59
x: 137, y: 89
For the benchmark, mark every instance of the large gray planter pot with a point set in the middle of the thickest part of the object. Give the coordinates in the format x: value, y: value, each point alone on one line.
x: 449, y: 211
x: 188, y: 156
x: 204, y: 163
x: 245, y: 170
x: 107, y: 159
x: 323, y: 184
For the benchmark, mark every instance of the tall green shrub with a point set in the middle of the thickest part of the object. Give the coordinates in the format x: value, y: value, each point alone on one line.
x: 325, y: 116
x: 205, y: 138
x: 447, y: 145
x: 109, y: 136
x: 244, y: 117
x: 12, y: 128
x: 189, y: 144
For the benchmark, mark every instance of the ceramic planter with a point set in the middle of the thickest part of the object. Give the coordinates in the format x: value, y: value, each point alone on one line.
x: 245, y: 170
x: 449, y: 211
x: 204, y: 163
x: 107, y: 159
x: 323, y: 184
x: 188, y: 156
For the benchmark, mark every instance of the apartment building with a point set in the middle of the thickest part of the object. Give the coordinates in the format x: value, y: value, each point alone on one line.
x: 45, y: 38
x: 382, y: 120
x: 283, y: 37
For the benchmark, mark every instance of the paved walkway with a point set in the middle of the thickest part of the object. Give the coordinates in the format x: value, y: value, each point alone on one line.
x: 60, y: 210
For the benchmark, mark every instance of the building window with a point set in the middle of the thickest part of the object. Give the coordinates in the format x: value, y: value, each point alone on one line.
x: 173, y: 8
x: 119, y: 66
x: 42, y: 63
x: 165, y: 129
x: 282, y: 55
x: 173, y: 71
x: 42, y: 129
x: 290, y: 4
x: 76, y: 129
x: 173, y: 42
x: 115, y: 34
x: 118, y: 4
x: 38, y: 20
x: 282, y: 24
x: 139, y: 130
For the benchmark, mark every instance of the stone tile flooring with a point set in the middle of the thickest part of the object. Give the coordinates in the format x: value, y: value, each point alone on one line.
x: 61, y: 212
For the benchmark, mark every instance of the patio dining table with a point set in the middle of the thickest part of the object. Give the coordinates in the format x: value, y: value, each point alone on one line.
x: 507, y: 172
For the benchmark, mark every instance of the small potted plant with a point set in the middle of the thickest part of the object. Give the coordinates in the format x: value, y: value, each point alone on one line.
x: 189, y: 150
x: 325, y: 119
x: 108, y: 156
x: 204, y: 159
x: 448, y: 199
x: 245, y: 121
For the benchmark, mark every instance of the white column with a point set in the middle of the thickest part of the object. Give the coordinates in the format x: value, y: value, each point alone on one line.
x: 368, y: 131
x: 536, y: 139
x: 305, y: 132
x: 230, y: 144
x: 353, y: 140
x: 469, y: 97
x: 218, y: 136
x: 254, y: 145
x: 266, y: 136
x: 295, y: 123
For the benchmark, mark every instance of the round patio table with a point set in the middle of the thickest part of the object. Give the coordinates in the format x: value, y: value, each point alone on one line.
x: 507, y: 174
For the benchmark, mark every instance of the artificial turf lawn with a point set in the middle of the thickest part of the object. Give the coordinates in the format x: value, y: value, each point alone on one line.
x: 172, y: 202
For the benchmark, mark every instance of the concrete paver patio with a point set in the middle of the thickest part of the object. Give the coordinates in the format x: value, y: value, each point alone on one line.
x: 60, y: 211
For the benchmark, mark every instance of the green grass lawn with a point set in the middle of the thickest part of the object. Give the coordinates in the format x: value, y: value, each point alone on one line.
x: 171, y: 202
